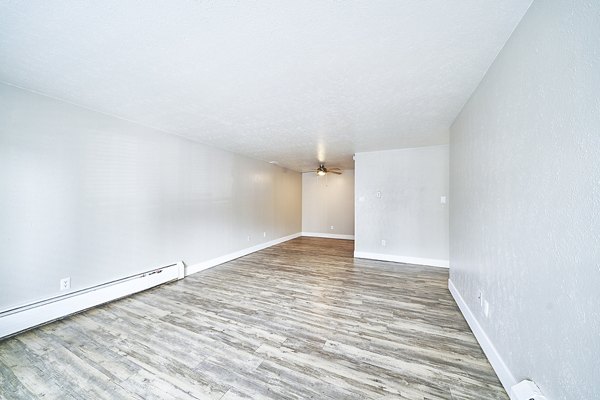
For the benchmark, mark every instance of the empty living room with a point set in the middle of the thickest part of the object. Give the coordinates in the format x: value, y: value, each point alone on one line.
x: 316, y: 199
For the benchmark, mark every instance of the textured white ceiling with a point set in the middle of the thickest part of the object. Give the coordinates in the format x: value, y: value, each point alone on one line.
x: 291, y: 81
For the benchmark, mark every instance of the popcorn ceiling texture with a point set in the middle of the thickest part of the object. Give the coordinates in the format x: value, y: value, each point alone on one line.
x: 287, y: 81
x: 525, y: 200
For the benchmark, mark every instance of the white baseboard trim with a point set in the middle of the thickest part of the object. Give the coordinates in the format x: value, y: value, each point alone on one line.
x: 506, y: 377
x: 328, y: 235
x: 39, y: 313
x: 35, y: 314
x: 192, y: 269
x: 403, y: 259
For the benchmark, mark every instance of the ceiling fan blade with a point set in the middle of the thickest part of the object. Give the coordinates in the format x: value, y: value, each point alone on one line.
x: 334, y: 169
x: 334, y: 172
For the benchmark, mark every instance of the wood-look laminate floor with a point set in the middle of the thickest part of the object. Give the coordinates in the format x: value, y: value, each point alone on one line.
x: 301, y: 320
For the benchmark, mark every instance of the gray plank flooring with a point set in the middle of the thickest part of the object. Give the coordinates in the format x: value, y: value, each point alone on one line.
x: 301, y: 320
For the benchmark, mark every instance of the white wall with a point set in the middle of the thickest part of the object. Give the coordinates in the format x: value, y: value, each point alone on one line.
x: 97, y: 198
x: 328, y: 201
x: 525, y: 210
x: 409, y: 215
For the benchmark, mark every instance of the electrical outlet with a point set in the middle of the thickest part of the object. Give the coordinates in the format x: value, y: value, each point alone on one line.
x: 65, y: 283
x: 378, y: 194
x: 331, y: 227
x: 383, y: 242
x: 249, y: 237
x: 486, y: 308
x: 480, y: 297
x: 264, y: 234
x: 443, y: 200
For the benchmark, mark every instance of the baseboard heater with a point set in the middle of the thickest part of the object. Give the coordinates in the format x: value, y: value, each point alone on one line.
x: 22, y: 318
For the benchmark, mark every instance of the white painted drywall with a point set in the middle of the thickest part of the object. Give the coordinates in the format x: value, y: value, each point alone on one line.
x: 525, y: 191
x: 328, y: 201
x: 97, y: 198
x: 409, y: 215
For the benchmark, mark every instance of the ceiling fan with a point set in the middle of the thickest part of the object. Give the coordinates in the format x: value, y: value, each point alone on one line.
x: 321, y: 171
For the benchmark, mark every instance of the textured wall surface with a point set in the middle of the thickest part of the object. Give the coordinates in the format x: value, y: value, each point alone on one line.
x: 326, y: 201
x: 97, y: 198
x: 288, y: 81
x: 525, y: 190
x: 409, y: 215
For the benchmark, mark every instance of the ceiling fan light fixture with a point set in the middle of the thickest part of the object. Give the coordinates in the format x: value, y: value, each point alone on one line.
x: 322, y: 171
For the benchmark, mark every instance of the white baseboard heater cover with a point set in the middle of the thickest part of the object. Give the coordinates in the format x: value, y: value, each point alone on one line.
x: 26, y: 317
x: 526, y: 390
